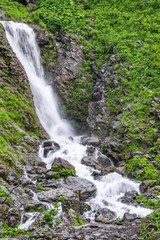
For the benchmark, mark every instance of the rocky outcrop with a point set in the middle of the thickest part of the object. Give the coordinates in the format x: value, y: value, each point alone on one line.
x: 53, y: 195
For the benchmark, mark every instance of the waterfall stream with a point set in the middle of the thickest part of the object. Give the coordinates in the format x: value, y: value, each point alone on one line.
x: 110, y: 187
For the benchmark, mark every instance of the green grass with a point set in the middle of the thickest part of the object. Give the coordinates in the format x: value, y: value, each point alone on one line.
x: 15, y: 11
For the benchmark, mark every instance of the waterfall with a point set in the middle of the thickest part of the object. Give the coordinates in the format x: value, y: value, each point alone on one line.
x: 110, y: 187
x: 22, y: 39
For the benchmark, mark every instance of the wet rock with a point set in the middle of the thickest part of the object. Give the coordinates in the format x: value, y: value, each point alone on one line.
x: 32, y: 205
x: 94, y: 141
x: 91, y: 162
x: 63, y: 164
x: 129, y: 217
x: 104, y: 161
x: 54, y: 194
x: 96, y: 175
x: 50, y: 146
x: 107, y: 170
x: 90, y: 150
x: 104, y: 215
x: 76, y: 205
x: 144, y: 185
x: 129, y: 197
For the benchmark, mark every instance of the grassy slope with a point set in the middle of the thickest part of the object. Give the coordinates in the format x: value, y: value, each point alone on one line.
x: 131, y: 30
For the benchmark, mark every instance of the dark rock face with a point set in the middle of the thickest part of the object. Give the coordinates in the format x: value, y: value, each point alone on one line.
x: 129, y: 197
x: 50, y: 146
x: 42, y: 37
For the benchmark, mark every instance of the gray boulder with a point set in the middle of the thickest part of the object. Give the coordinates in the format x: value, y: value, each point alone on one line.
x: 91, y: 162
x: 104, y: 214
x: 62, y: 163
x: 91, y: 141
x: 54, y: 194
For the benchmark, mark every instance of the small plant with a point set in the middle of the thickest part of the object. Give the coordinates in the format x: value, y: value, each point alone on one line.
x: 56, y: 168
x: 78, y: 221
x: 67, y: 172
x: 49, y: 216
x: 40, y: 187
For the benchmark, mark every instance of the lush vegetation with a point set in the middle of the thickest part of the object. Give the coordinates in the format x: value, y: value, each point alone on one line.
x: 125, y: 35
x: 61, y: 172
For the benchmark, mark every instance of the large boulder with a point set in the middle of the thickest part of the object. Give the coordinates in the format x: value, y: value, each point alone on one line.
x: 91, y: 162
x: 82, y: 187
x: 54, y: 194
x: 62, y: 163
x: 104, y: 161
x: 32, y: 205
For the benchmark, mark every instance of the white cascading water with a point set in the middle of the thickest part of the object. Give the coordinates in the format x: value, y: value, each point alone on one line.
x: 110, y: 187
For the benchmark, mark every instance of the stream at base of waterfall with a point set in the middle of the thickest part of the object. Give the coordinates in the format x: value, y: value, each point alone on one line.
x: 109, y: 188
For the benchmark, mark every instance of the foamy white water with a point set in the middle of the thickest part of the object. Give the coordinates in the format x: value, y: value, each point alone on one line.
x: 109, y: 188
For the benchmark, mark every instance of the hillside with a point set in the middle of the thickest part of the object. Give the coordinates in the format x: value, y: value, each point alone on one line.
x: 103, y: 58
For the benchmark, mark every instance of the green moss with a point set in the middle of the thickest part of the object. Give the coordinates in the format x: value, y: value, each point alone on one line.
x: 15, y: 11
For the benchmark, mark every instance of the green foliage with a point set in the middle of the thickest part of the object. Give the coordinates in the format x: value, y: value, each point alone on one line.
x: 151, y: 227
x: 61, y: 172
x: 11, y: 232
x: 78, y: 221
x: 148, y: 202
x: 2, y: 193
x: 49, y: 216
x: 148, y: 171
x: 40, y: 187
x: 67, y: 172
x: 15, y: 11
